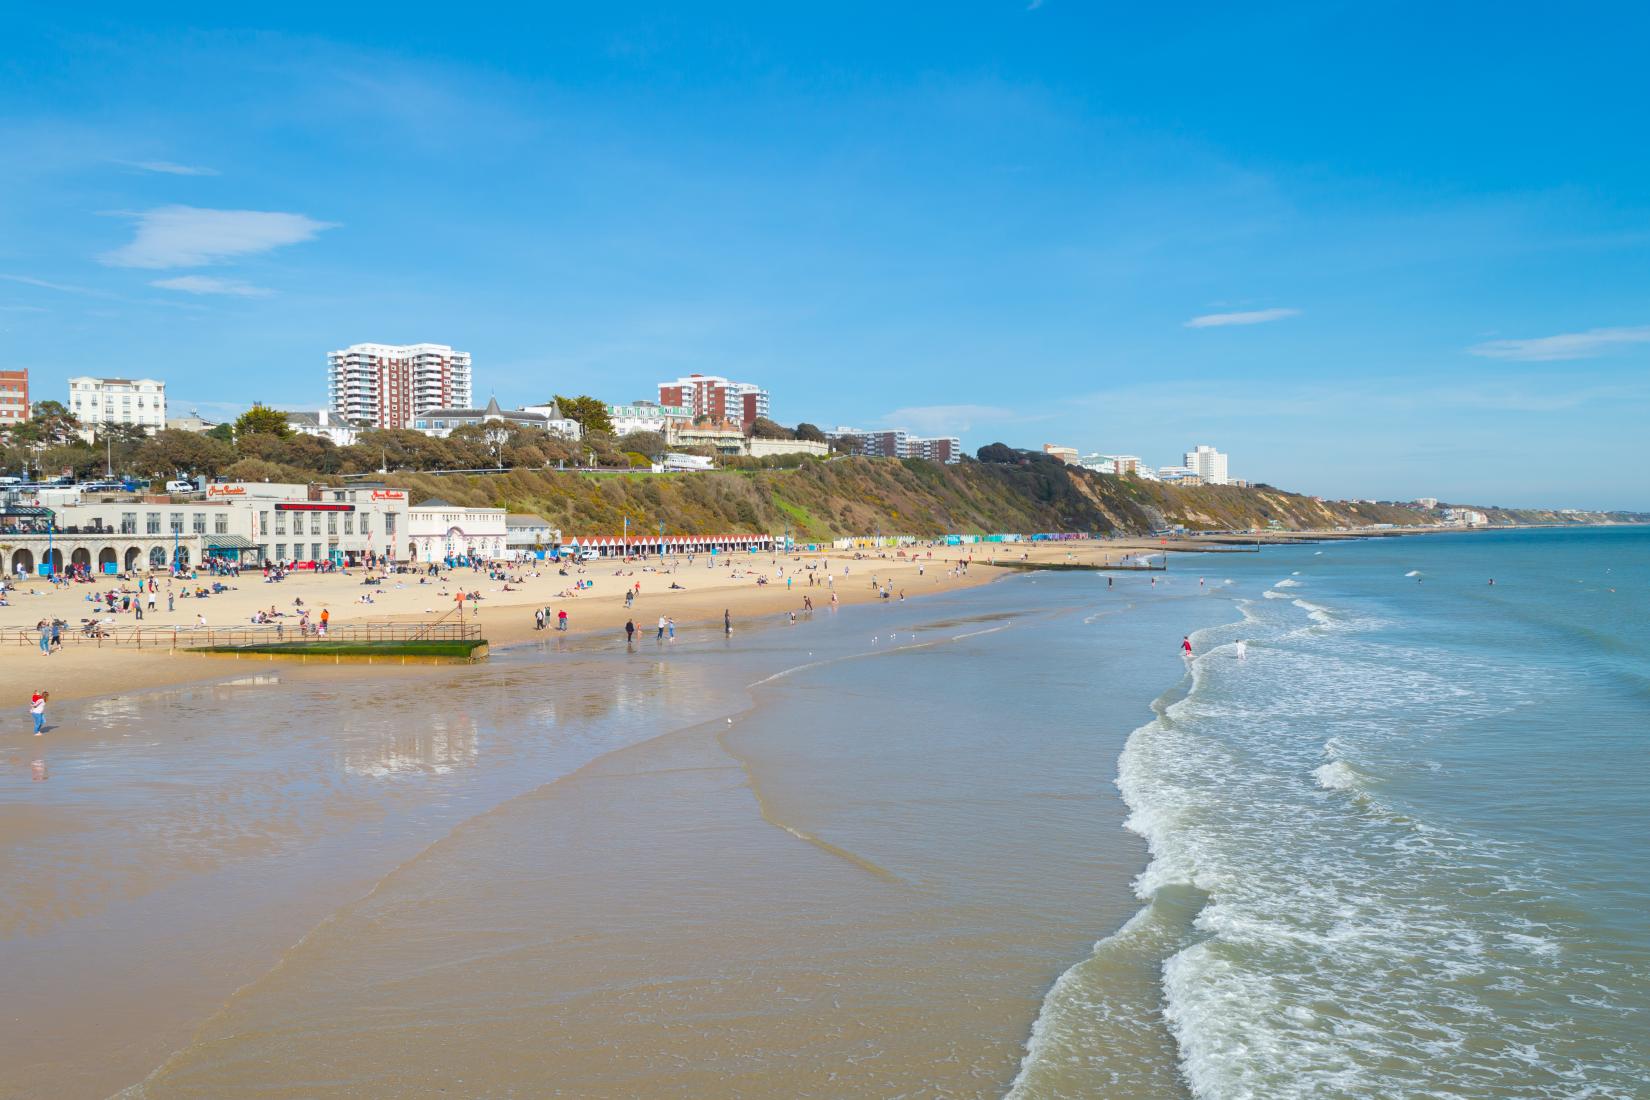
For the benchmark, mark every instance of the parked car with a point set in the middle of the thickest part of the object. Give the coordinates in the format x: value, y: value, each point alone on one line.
x: 177, y: 485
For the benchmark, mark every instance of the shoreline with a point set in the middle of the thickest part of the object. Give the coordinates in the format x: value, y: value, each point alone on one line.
x: 82, y: 670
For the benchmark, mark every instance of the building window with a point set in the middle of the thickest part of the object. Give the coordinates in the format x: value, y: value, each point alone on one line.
x: 280, y: 526
x: 220, y: 523
x: 151, y: 522
x: 332, y: 523
x: 128, y: 523
x: 175, y: 522
x: 315, y: 523
x: 389, y: 524
x: 349, y: 523
x: 200, y: 523
x: 280, y: 551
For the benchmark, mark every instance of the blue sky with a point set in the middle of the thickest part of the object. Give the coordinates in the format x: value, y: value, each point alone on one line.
x: 1368, y: 249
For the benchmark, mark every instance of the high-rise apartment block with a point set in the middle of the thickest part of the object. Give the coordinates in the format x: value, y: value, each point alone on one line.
x: 14, y: 397
x: 717, y: 398
x: 1208, y: 464
x: 127, y: 402
x: 386, y: 385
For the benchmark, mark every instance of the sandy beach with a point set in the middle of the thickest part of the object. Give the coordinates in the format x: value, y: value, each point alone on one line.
x: 709, y: 586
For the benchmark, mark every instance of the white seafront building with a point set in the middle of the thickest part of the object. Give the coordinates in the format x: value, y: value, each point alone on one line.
x: 647, y: 416
x: 323, y: 425
x: 438, y: 531
x: 126, y: 402
x: 248, y: 522
x: 439, y: 423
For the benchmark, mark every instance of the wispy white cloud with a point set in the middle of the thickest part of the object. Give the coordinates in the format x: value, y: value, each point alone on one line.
x: 1249, y: 317
x: 1567, y: 345
x: 166, y: 167
x: 30, y: 280
x: 945, y: 418
x: 186, y: 236
x: 205, y: 284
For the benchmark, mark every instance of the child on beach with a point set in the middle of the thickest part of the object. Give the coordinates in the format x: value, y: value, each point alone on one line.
x: 37, y: 708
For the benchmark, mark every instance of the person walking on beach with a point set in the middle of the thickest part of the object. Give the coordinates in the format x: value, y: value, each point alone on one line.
x: 727, y: 620
x: 1242, y: 649
x: 1186, y: 645
x: 659, y: 637
x: 670, y: 625
x: 629, y: 632
x: 45, y: 638
x: 561, y: 620
x: 37, y: 708
x: 538, y: 618
x: 151, y: 597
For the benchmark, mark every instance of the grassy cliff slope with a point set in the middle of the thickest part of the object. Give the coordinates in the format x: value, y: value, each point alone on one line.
x: 856, y: 496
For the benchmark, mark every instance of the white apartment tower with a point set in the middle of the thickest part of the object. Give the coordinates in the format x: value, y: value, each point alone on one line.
x: 133, y: 402
x: 386, y: 385
x: 1208, y: 464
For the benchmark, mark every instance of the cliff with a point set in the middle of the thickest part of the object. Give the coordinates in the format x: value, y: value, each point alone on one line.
x: 856, y: 496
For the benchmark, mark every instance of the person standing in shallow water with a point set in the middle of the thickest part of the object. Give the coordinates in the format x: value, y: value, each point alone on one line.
x: 37, y: 708
x: 727, y: 620
x: 1186, y: 645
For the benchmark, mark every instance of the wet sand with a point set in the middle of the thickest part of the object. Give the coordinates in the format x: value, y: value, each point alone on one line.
x: 791, y: 905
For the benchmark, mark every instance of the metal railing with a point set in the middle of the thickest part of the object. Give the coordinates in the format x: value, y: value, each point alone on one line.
x: 171, y: 637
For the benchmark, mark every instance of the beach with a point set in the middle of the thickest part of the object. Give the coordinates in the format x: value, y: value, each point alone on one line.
x: 711, y: 585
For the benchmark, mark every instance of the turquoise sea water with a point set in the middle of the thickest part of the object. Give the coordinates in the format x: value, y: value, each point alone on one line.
x: 1399, y: 846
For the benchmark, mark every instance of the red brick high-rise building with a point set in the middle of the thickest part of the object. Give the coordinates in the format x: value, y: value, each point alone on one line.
x: 14, y: 397
x: 716, y: 398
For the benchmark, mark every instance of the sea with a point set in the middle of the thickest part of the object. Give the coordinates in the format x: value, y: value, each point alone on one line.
x: 1383, y: 834
x: 1400, y: 842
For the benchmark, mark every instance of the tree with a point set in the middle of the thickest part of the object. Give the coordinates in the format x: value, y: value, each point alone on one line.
x: 810, y: 432
x: 259, y: 420
x: 647, y: 443
x: 224, y: 432
x: 51, y: 422
x: 999, y: 452
x: 172, y: 451
x: 588, y: 411
x: 763, y: 428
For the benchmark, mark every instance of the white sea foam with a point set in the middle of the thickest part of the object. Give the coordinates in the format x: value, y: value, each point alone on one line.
x: 1338, y: 776
x: 1351, y: 902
